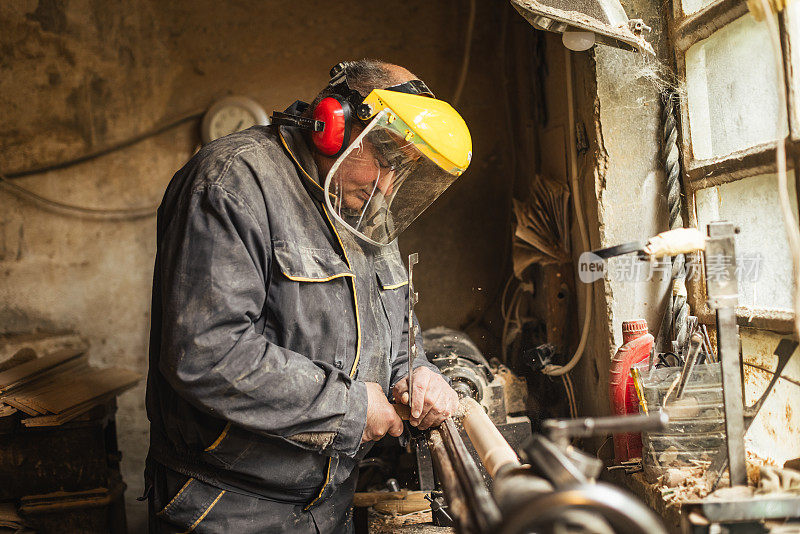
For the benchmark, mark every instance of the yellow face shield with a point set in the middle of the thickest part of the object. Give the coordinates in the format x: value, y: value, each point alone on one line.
x: 413, y: 148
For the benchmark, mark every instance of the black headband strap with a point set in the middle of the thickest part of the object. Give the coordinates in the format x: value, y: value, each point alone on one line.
x: 338, y: 83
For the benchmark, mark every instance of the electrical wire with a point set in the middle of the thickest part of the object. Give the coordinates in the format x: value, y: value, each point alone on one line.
x: 513, y: 307
x: 573, y: 408
x: 107, y: 150
x: 115, y: 214
x: 503, y: 298
x: 467, y: 52
x: 557, y: 370
x: 789, y: 222
x: 96, y: 213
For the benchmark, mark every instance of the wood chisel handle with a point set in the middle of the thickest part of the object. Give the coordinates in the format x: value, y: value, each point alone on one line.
x: 403, y: 411
x: 674, y: 242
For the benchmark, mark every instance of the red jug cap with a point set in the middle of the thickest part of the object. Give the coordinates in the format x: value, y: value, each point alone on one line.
x: 633, y: 329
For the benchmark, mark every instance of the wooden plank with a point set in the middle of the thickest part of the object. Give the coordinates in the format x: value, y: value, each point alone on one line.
x: 23, y: 355
x: 63, y: 386
x: 75, y: 411
x: 20, y: 405
x: 16, y: 376
x: 90, y: 385
x: 66, y: 373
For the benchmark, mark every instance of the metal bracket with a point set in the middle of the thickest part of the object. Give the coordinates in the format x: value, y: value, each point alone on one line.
x: 723, y: 295
x: 413, y: 297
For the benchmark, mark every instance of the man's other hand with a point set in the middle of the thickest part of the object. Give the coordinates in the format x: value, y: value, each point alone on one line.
x: 381, y: 416
x: 433, y: 399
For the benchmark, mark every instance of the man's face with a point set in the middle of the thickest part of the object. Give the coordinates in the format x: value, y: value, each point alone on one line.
x: 362, y: 175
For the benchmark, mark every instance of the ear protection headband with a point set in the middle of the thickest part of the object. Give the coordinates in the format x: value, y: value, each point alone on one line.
x: 332, y: 118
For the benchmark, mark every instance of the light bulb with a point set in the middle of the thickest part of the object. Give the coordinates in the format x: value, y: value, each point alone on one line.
x: 577, y: 41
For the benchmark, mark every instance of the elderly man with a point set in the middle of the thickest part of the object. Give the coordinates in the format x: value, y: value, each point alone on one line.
x: 279, y: 321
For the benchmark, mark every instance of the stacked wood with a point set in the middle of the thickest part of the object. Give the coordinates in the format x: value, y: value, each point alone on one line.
x: 49, y: 379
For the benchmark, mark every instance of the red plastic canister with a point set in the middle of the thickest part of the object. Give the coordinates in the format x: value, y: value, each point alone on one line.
x: 637, y: 343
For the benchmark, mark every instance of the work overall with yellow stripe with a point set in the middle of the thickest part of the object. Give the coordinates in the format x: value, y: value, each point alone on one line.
x: 267, y: 321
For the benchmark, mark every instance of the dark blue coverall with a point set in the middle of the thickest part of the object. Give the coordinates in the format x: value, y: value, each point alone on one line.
x: 267, y: 319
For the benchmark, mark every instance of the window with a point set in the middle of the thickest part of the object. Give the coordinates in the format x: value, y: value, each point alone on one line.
x: 729, y: 131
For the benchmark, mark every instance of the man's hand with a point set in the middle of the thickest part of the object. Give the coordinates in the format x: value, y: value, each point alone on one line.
x: 433, y: 400
x: 381, y: 417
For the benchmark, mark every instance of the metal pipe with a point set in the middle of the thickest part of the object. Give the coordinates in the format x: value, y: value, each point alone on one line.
x: 561, y: 431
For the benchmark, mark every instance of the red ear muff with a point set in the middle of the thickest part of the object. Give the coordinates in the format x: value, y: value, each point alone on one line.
x: 336, y: 113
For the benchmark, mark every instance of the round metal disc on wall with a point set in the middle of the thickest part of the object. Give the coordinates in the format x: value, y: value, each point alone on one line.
x: 231, y: 114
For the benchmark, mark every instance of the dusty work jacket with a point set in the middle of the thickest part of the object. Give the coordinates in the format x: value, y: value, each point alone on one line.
x: 267, y: 320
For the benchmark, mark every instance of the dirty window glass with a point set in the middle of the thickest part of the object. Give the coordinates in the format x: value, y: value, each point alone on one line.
x: 693, y: 6
x: 764, y: 262
x: 731, y: 90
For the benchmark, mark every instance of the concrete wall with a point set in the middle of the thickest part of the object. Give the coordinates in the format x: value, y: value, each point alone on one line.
x: 77, y: 75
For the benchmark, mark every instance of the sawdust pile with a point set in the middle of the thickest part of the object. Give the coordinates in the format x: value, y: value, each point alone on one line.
x: 414, y: 523
x: 680, y: 484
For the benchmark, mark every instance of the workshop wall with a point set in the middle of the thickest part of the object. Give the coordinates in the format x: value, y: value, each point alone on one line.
x: 78, y: 75
x: 623, y: 188
x: 621, y: 184
x: 626, y: 192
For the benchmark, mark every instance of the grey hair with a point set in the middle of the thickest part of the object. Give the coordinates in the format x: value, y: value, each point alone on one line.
x: 365, y: 75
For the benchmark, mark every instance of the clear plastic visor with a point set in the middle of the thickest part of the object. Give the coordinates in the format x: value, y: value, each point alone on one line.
x: 383, y: 181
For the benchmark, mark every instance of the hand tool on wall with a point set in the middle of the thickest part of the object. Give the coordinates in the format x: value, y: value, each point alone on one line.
x: 669, y: 243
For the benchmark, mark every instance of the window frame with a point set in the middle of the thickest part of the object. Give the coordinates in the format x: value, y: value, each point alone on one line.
x: 685, y: 31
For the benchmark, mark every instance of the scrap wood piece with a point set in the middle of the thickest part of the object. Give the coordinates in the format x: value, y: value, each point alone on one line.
x: 86, y: 387
x: 10, y: 518
x: 21, y: 374
x: 75, y: 411
x: 42, y: 343
x: 23, y: 405
x: 23, y: 355
x: 5, y: 411
x: 60, y: 377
